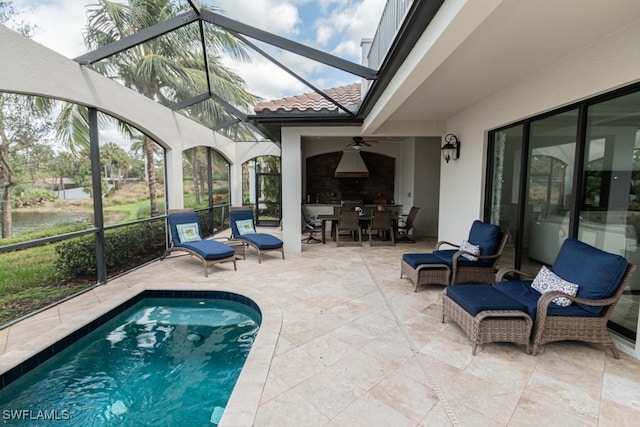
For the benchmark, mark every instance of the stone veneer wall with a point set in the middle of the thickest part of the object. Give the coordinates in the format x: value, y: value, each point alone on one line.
x: 320, y: 179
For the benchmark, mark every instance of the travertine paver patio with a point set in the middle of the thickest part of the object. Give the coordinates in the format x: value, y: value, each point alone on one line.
x: 346, y: 342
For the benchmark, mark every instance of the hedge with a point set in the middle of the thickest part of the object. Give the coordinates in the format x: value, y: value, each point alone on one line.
x: 125, y: 248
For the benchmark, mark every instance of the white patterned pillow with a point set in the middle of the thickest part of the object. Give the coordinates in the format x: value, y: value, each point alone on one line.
x: 188, y: 232
x: 470, y: 247
x: 547, y: 281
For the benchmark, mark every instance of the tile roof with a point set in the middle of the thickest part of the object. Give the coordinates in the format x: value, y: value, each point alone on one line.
x: 348, y: 96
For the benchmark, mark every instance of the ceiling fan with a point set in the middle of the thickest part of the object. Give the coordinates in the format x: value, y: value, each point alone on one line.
x: 359, y: 142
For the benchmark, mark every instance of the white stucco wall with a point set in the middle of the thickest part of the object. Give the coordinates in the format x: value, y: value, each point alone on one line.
x: 426, y: 190
x: 611, y: 63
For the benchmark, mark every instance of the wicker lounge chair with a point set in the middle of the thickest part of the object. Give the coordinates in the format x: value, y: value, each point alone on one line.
x: 243, y: 229
x: 601, y: 278
x: 184, y: 232
x: 449, y: 266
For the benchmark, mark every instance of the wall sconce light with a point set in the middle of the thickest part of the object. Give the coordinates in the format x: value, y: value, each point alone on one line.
x: 450, y: 150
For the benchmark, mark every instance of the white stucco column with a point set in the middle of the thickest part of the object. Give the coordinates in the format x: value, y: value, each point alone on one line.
x: 235, y: 176
x: 291, y: 190
x: 175, y: 193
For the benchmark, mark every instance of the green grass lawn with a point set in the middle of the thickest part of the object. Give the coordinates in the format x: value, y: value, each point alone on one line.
x: 27, y: 277
x: 28, y: 283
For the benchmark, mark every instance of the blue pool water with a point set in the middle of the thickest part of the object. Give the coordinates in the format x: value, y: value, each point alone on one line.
x: 161, y: 362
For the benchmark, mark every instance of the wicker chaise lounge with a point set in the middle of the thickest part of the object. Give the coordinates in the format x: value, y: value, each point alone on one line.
x: 601, y: 278
x: 184, y: 232
x: 572, y: 301
x: 450, y: 266
x: 243, y: 229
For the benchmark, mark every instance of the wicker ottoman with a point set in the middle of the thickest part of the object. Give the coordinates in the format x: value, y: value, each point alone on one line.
x: 425, y: 269
x: 487, y: 315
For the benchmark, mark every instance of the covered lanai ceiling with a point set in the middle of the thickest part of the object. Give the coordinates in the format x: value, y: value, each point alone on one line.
x: 487, y: 47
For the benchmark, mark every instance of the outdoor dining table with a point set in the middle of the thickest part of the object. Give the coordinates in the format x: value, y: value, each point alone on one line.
x: 364, y: 219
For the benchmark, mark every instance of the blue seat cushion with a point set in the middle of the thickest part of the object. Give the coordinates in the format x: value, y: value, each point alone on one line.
x: 263, y: 240
x: 238, y: 215
x: 180, y: 218
x: 521, y: 291
x: 476, y: 298
x: 415, y: 260
x: 487, y: 236
x: 208, y: 249
x: 596, y: 272
x: 446, y: 257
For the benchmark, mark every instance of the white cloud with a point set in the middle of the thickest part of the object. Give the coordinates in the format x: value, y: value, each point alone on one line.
x: 112, y: 134
x: 278, y: 17
x: 59, y: 24
x: 265, y: 79
x: 349, y: 22
x: 323, y: 34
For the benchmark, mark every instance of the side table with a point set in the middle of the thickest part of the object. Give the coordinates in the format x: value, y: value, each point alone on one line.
x: 238, y: 247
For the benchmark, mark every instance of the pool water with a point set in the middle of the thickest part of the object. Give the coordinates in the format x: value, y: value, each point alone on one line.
x: 161, y: 362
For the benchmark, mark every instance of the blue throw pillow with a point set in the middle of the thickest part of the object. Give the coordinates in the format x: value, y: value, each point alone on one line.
x: 597, y: 272
x: 487, y: 236
x: 188, y: 232
x: 245, y: 226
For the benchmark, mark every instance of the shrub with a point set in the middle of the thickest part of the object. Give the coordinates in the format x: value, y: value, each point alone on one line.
x: 32, y: 197
x: 125, y: 248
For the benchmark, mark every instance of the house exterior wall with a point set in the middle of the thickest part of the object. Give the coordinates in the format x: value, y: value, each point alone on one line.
x: 601, y: 67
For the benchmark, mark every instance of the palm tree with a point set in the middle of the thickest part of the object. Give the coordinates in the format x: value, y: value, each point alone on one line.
x: 166, y: 69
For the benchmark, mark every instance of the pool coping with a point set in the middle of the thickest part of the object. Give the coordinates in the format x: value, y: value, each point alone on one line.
x: 243, y: 403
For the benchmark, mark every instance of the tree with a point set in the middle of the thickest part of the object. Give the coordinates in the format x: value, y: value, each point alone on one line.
x: 113, y: 157
x: 64, y: 166
x: 21, y: 128
x: 166, y: 69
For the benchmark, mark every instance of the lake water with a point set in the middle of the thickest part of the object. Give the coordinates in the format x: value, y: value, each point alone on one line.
x: 73, y: 193
x: 26, y: 220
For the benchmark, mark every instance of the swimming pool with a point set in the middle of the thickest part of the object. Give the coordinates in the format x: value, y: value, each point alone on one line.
x: 160, y: 362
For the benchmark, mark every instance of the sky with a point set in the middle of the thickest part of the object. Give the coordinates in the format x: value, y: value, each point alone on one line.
x: 333, y: 26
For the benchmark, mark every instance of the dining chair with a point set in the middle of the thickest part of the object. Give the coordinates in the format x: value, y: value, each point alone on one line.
x: 349, y: 221
x: 381, y: 222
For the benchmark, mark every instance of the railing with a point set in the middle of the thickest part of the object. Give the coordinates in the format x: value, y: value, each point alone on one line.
x: 126, y: 246
x: 392, y: 18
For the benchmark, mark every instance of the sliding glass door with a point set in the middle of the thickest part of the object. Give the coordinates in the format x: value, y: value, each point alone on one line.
x: 505, y: 187
x: 551, y: 158
x: 610, y: 208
